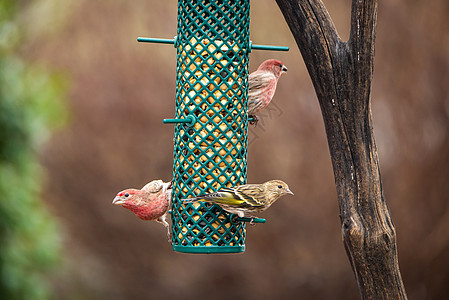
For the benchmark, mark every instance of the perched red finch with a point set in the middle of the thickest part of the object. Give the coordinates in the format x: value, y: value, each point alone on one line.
x: 262, y: 85
x: 152, y: 202
x: 246, y: 199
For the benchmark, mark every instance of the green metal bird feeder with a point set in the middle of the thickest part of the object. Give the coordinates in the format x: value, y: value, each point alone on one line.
x: 210, y: 141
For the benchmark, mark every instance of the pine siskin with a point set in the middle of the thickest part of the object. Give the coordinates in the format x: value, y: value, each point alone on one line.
x: 152, y: 202
x: 246, y: 199
x: 262, y: 85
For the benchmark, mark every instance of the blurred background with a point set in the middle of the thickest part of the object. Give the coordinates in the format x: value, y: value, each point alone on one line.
x: 81, y: 112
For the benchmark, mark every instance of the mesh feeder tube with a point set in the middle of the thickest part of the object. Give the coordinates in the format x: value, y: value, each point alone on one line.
x: 211, y: 87
x: 211, y: 131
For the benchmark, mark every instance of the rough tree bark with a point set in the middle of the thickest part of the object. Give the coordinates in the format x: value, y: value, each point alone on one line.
x: 341, y: 73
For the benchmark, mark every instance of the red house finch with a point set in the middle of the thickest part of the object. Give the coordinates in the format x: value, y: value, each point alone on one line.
x: 262, y: 85
x: 150, y: 203
x: 245, y: 199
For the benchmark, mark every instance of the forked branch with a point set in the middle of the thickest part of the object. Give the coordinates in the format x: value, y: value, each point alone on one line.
x: 341, y: 74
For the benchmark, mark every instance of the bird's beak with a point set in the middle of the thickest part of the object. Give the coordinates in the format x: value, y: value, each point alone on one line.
x: 284, y: 69
x: 118, y: 201
x: 289, y: 192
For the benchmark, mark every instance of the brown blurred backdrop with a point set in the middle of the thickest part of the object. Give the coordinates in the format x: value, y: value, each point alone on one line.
x: 121, y: 90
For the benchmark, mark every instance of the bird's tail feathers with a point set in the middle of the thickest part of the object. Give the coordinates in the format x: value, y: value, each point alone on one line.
x: 190, y: 200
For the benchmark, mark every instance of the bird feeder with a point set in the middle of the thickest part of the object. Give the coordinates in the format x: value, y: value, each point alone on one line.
x: 211, y: 123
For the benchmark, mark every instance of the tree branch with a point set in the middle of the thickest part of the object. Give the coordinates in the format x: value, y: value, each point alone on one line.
x: 341, y: 73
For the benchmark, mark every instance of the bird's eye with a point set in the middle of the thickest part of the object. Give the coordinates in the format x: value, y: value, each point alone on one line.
x: 126, y: 195
x: 280, y: 186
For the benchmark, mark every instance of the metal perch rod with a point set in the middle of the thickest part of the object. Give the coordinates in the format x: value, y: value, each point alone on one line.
x: 172, y: 41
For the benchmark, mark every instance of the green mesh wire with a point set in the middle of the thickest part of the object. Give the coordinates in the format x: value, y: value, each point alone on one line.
x: 212, y: 73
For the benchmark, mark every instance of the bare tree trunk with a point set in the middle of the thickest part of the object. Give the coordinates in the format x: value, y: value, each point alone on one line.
x: 341, y: 73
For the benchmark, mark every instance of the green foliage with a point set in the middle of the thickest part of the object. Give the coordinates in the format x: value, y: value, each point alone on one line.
x: 30, y: 106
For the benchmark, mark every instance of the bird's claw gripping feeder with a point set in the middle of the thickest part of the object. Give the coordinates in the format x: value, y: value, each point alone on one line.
x: 211, y: 124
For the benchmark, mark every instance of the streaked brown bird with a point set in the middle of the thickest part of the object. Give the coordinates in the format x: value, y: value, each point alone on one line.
x: 246, y: 199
